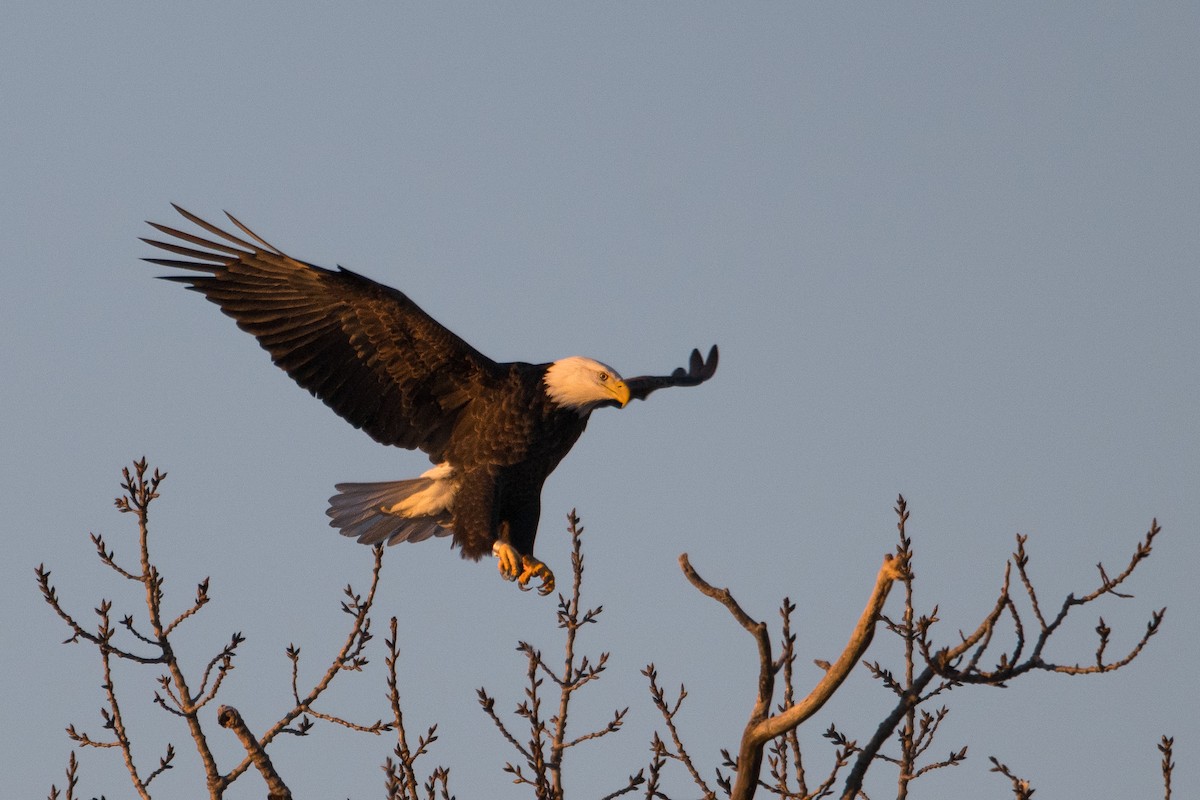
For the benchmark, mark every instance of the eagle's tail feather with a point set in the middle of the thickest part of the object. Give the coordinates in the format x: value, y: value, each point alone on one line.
x: 395, y: 511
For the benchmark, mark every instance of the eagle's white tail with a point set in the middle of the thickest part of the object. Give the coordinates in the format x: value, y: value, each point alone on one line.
x: 395, y: 511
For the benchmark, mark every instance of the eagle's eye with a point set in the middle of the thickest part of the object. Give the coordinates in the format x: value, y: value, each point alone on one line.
x: 603, y: 377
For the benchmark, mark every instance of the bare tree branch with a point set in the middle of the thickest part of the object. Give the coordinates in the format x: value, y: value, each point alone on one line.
x: 141, y: 489
x: 402, y: 779
x: 668, y: 711
x: 763, y: 726
x: 548, y: 742
x: 72, y: 780
x: 1166, y: 747
x: 769, y: 737
x: 1021, y: 788
x: 228, y: 717
x: 961, y: 664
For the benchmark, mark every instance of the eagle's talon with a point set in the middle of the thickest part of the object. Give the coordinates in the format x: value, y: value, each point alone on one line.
x: 509, y: 560
x: 533, y: 567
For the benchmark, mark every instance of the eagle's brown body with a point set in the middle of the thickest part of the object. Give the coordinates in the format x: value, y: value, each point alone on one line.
x: 516, y: 439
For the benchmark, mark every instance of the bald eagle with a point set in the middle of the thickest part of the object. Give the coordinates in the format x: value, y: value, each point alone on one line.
x: 494, y: 431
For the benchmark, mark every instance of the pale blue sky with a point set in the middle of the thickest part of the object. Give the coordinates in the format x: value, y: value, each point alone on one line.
x: 947, y: 251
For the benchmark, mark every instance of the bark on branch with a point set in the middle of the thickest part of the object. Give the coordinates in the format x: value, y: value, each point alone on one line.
x: 228, y: 717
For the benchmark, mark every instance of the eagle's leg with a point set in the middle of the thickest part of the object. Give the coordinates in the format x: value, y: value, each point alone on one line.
x: 507, y: 555
x: 531, y: 568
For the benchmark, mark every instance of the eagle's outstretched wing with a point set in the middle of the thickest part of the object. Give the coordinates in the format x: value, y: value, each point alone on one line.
x: 699, y: 370
x: 367, y: 350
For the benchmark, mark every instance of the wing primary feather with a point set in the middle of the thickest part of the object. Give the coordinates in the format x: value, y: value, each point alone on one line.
x: 194, y: 239
x: 252, y: 234
x: 213, y: 229
x: 176, y: 264
x: 179, y: 249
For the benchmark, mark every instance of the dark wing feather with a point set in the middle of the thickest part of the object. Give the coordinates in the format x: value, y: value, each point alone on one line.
x: 367, y: 350
x: 699, y: 370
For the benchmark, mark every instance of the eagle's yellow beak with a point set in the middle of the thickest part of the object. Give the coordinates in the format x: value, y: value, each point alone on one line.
x: 620, y: 392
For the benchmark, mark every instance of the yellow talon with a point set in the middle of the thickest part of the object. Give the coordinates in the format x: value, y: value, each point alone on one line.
x: 533, y: 567
x: 509, y: 560
x: 516, y: 567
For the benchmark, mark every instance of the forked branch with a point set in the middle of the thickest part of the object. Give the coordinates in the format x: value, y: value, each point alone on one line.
x: 764, y: 726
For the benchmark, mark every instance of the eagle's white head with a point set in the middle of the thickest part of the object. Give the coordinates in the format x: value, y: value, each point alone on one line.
x: 581, y: 384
